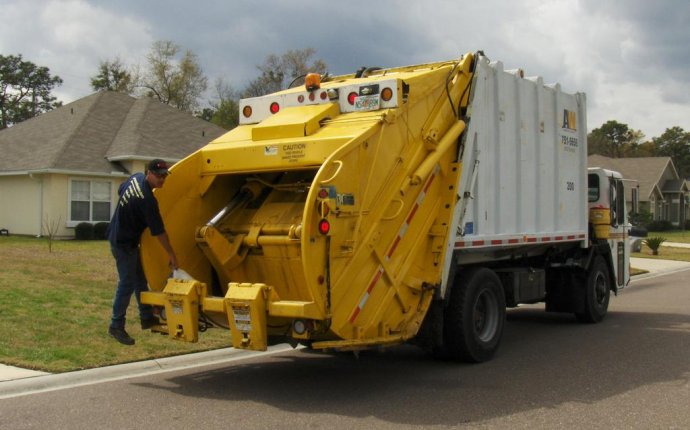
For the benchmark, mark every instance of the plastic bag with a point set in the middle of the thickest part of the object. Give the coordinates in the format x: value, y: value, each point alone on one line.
x: 181, y: 275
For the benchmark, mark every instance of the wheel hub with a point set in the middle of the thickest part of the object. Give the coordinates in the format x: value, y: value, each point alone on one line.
x: 485, y: 315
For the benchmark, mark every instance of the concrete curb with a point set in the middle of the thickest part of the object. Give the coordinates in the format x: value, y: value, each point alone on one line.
x: 58, y: 381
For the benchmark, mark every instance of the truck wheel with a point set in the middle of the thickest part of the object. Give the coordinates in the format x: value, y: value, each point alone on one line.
x: 597, y: 292
x: 474, y: 318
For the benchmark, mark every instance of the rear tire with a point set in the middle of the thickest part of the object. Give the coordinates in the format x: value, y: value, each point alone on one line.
x: 474, y: 317
x: 597, y: 292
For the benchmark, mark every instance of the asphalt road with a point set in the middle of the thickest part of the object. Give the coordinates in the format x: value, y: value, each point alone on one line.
x: 631, y: 371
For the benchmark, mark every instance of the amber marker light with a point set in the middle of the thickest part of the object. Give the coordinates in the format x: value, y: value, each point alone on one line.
x: 247, y: 111
x: 386, y: 94
x: 312, y: 81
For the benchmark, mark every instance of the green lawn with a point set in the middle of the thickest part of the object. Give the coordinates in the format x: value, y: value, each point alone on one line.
x: 665, y: 253
x: 55, y: 309
x: 682, y: 236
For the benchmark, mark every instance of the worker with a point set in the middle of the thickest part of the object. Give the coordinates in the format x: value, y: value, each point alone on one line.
x: 136, y: 210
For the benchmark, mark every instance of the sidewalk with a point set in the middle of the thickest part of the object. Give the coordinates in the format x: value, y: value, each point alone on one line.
x: 9, y: 373
x: 653, y: 266
x: 676, y: 244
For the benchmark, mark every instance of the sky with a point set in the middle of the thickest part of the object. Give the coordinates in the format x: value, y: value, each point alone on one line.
x: 630, y: 57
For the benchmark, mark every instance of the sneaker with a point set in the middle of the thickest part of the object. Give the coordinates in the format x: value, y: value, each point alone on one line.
x: 121, y: 336
x: 150, y: 323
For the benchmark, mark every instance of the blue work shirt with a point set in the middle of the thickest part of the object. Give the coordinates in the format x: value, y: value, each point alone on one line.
x: 136, y: 210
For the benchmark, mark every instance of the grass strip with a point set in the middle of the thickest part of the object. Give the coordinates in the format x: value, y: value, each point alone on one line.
x: 55, y: 309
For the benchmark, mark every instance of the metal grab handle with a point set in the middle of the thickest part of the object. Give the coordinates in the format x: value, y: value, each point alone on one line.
x: 337, y: 172
x: 395, y: 215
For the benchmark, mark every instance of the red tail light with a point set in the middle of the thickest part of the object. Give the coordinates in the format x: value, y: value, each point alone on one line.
x: 351, y: 98
x: 324, y: 226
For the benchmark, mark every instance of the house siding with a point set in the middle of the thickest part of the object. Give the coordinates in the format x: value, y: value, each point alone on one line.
x: 21, y: 204
x: 30, y: 214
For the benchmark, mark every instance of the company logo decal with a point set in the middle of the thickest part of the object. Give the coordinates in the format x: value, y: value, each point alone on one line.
x: 569, y: 120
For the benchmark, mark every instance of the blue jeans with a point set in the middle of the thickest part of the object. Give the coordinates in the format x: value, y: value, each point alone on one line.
x: 132, y: 280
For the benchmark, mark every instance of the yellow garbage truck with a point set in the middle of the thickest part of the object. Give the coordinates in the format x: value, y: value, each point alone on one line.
x: 409, y: 204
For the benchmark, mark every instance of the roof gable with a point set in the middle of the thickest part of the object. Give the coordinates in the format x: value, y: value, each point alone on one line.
x: 94, y: 133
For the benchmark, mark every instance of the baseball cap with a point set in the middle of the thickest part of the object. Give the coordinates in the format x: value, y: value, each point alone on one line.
x: 158, y: 166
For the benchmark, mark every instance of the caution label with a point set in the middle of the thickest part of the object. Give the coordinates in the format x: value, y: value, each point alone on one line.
x: 293, y: 152
x: 243, y: 321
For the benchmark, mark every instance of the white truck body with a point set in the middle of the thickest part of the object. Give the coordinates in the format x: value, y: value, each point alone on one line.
x: 524, y: 160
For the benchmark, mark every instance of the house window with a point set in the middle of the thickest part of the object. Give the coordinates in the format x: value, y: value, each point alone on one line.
x: 89, y: 200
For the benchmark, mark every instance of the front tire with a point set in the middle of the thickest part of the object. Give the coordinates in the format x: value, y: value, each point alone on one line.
x: 474, y: 317
x: 597, y: 292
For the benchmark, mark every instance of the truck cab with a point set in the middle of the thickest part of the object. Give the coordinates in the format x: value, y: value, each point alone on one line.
x: 608, y: 219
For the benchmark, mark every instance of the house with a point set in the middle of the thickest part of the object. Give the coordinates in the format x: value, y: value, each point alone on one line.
x: 64, y: 167
x: 659, y: 189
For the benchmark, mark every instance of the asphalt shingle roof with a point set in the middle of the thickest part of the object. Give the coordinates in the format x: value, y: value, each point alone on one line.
x: 85, y: 134
x: 647, y: 170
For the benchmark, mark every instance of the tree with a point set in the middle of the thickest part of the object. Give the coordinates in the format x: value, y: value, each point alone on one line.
x: 25, y: 90
x: 278, y: 72
x: 178, y: 83
x: 614, y: 139
x: 113, y: 76
x: 50, y: 229
x: 675, y: 143
x: 206, y: 114
x: 226, y: 114
x: 226, y: 106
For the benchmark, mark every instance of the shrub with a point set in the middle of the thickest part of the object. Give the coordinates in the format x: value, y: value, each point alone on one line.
x: 100, y: 230
x: 643, y: 217
x: 83, y: 231
x: 654, y: 243
x: 659, y: 225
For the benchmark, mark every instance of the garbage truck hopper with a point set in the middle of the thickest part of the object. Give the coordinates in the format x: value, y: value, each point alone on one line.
x: 321, y: 219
